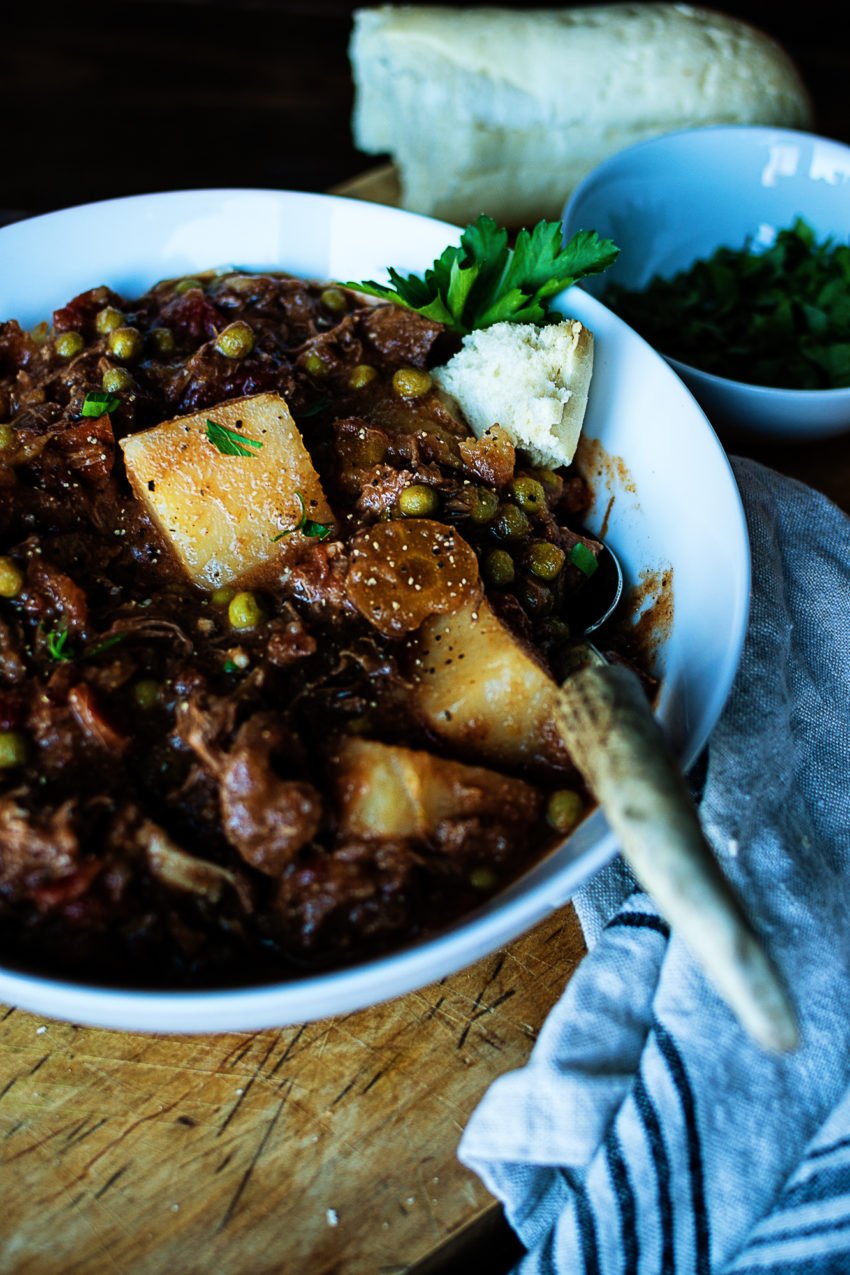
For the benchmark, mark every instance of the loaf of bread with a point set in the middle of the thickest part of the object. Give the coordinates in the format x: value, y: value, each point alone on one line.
x: 531, y: 381
x: 504, y: 111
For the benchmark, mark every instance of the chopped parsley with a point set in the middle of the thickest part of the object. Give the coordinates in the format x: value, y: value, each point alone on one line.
x: 777, y: 316
x: 100, y: 403
x: 486, y: 281
x: 105, y: 645
x: 314, y: 409
x: 307, y: 527
x: 229, y: 441
x: 581, y: 557
x: 57, y: 645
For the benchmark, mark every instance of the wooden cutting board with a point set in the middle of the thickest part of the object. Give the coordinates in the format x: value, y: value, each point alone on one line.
x: 329, y: 1148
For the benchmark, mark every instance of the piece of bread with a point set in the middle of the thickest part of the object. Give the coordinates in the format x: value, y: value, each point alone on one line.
x: 504, y: 111
x: 532, y: 381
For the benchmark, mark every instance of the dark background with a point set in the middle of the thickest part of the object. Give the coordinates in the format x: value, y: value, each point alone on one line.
x: 103, y: 99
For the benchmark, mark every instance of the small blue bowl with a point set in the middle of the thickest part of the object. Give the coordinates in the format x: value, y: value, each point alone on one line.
x: 675, y: 199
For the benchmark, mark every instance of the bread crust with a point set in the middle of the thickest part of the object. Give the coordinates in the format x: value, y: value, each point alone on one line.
x: 505, y: 111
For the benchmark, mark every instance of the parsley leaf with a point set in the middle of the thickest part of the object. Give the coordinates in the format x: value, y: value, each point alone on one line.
x: 307, y: 527
x: 57, y: 645
x: 581, y: 557
x: 99, y: 403
x: 777, y: 316
x: 486, y: 281
x: 229, y: 441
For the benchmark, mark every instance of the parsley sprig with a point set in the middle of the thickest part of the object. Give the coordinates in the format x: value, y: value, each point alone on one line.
x: 486, y: 281
x: 307, y: 527
x: 229, y: 441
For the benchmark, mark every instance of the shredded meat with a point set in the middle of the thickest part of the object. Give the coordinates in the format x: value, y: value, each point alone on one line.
x: 168, y: 809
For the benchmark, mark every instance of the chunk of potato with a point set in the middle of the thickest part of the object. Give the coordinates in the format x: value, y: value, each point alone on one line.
x: 478, y: 687
x: 221, y: 513
x: 388, y: 791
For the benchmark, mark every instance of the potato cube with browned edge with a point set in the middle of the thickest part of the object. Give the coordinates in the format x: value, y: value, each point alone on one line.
x: 387, y: 791
x: 232, y: 488
x: 478, y: 688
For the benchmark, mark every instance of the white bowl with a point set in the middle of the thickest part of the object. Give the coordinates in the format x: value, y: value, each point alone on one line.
x: 672, y: 200
x: 675, y: 508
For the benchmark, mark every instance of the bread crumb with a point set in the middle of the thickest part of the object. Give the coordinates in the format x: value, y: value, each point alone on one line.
x: 532, y: 381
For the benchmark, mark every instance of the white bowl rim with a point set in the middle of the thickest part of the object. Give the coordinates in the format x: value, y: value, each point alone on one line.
x: 319, y: 995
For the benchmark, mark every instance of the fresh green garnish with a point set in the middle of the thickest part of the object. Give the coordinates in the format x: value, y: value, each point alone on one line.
x: 229, y: 441
x: 57, y: 645
x: 581, y: 557
x: 778, y: 316
x: 314, y: 409
x: 485, y: 281
x: 307, y: 527
x: 105, y: 645
x: 99, y: 403
x: 230, y: 667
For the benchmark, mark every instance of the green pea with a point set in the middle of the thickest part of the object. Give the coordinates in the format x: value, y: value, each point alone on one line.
x: 185, y: 285
x: 314, y: 364
x: 244, y: 611
x: 411, y: 382
x: 549, y: 478
x: 69, y: 344
x: 485, y: 504
x: 545, y: 560
x: 125, y: 344
x: 11, y: 578
x: 13, y: 749
x: 146, y: 694
x: 511, y: 523
x: 334, y: 300
x: 418, y: 501
x: 162, y: 340
x: 483, y: 879
x: 361, y: 375
x: 108, y: 319
x: 529, y: 494
x: 117, y: 380
x: 564, y: 809
x: 236, y: 341
x: 499, y: 568
x: 559, y: 631
x: 536, y: 598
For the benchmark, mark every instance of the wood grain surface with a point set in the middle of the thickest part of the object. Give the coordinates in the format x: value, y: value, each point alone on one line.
x: 329, y: 1148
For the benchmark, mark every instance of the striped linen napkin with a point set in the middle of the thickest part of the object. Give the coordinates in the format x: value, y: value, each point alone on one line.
x: 647, y: 1134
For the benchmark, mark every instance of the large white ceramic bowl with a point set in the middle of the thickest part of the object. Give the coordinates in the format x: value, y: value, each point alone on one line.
x: 664, y: 489
x: 677, y: 198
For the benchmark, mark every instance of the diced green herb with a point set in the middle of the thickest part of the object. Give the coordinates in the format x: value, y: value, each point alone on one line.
x: 229, y: 441
x: 230, y: 667
x: 581, y: 557
x: 314, y: 409
x: 778, y: 316
x: 106, y: 645
x: 100, y: 403
x: 57, y: 645
x: 486, y: 281
x: 307, y: 527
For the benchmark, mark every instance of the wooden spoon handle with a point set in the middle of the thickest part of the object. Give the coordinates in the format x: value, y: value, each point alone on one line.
x: 620, y: 750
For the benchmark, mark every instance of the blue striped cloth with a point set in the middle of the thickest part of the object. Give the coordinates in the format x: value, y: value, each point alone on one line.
x: 647, y: 1134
